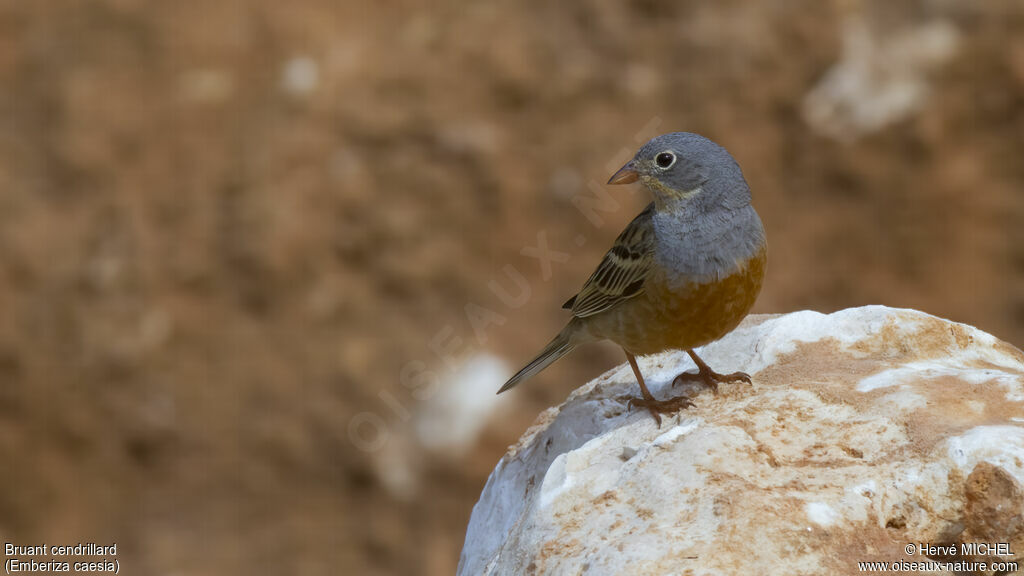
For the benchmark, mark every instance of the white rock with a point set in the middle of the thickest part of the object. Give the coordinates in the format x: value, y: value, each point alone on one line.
x: 864, y: 431
x: 451, y: 419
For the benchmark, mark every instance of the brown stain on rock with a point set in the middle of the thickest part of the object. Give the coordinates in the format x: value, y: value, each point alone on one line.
x: 832, y: 371
x: 993, y: 509
x: 555, y: 548
x: 954, y: 407
x: 606, y: 498
x: 843, y: 549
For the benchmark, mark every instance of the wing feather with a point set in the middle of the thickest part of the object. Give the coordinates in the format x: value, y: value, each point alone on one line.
x: 621, y: 274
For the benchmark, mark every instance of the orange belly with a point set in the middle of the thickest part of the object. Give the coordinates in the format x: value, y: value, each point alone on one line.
x: 683, y: 316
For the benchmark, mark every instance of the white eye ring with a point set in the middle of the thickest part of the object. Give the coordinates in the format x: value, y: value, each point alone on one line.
x: 664, y: 160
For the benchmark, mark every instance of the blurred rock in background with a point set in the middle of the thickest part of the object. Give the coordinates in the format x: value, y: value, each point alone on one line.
x: 247, y: 247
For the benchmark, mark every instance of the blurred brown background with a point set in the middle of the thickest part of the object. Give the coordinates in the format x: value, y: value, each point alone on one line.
x: 234, y: 237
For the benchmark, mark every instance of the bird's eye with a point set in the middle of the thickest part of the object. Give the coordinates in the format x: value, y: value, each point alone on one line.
x: 664, y: 160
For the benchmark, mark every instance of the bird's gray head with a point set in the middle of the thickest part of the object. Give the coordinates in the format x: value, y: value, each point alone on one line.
x: 685, y: 167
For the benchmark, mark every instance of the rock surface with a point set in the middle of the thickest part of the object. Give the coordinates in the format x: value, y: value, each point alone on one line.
x: 864, y: 431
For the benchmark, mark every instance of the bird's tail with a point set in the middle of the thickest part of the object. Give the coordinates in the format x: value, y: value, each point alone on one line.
x: 558, y: 347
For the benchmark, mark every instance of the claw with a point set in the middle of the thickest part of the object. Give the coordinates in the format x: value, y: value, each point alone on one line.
x: 657, y: 407
x: 711, y: 379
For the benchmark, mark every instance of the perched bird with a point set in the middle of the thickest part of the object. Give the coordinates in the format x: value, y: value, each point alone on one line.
x: 682, y: 274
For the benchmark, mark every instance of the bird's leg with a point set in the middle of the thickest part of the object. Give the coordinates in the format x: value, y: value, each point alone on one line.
x: 647, y: 400
x: 708, y: 377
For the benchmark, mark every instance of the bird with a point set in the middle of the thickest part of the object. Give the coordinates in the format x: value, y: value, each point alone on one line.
x: 684, y: 272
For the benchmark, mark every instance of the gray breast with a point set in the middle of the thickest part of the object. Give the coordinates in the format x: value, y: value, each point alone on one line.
x: 702, y: 247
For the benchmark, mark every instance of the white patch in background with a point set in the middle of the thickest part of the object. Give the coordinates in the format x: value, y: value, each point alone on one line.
x: 451, y: 419
x: 206, y: 85
x: 474, y: 137
x: 565, y: 183
x: 881, y: 77
x: 397, y: 467
x: 642, y: 80
x: 300, y: 76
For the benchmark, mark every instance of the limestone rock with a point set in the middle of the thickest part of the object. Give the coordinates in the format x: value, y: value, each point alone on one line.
x: 864, y: 431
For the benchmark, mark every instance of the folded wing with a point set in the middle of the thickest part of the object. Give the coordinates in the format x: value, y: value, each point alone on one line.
x: 621, y: 274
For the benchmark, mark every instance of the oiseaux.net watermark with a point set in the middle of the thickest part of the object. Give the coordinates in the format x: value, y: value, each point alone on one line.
x: 369, y: 430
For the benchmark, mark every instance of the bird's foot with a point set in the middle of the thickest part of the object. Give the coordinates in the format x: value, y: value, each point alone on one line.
x: 658, y: 407
x: 710, y: 378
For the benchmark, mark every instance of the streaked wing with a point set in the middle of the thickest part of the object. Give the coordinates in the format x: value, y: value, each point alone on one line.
x: 621, y: 274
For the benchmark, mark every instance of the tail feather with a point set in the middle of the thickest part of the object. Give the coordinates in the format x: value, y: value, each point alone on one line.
x: 560, y: 346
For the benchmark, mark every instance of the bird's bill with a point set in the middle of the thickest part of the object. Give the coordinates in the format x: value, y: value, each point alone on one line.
x: 625, y: 175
